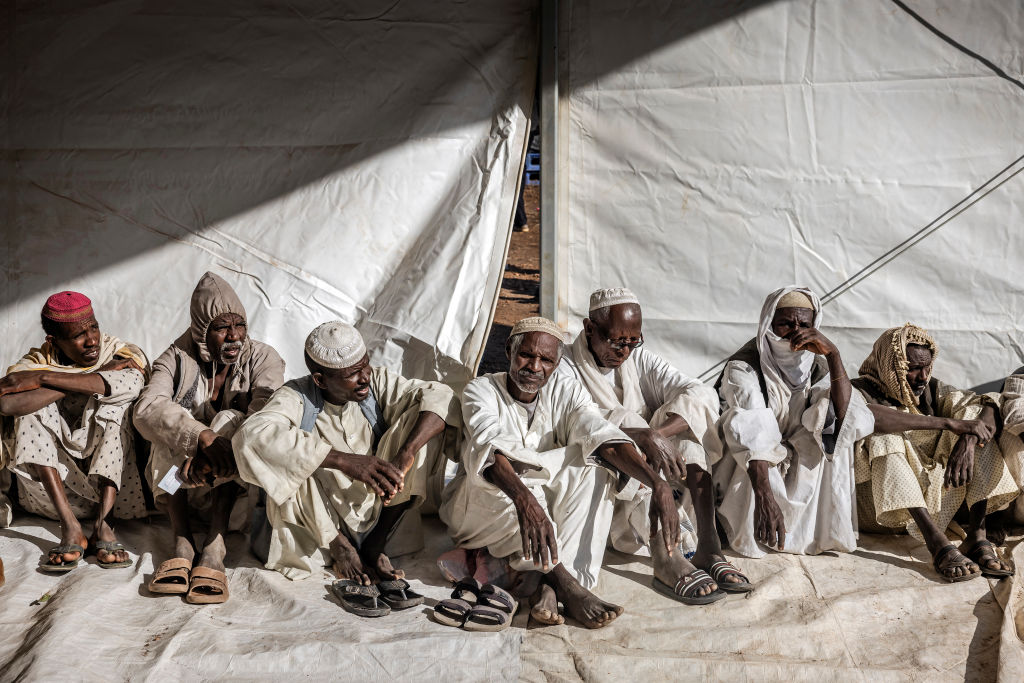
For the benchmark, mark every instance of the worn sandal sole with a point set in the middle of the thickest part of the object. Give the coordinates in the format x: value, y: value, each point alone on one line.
x: 666, y: 589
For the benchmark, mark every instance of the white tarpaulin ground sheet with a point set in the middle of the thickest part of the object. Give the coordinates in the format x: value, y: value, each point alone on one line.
x: 717, y: 151
x: 331, y: 160
x: 878, y: 614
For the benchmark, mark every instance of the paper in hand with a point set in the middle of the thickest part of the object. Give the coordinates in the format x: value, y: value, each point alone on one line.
x: 172, y: 481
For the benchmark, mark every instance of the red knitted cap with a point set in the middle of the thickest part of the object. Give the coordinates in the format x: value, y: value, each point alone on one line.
x: 68, y: 307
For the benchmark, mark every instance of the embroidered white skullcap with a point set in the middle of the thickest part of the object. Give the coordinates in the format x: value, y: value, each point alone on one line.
x: 335, y: 345
x: 612, y: 296
x: 795, y: 299
x: 538, y: 324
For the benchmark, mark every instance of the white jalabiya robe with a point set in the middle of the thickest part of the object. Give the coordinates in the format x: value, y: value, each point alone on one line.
x: 307, y: 505
x: 813, y: 487
x: 555, y: 451
x: 643, y: 392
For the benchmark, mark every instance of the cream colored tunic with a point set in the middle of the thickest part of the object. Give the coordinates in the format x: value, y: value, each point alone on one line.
x: 644, y: 392
x: 556, y: 451
x: 308, y: 505
x: 812, y: 467
x: 896, y: 472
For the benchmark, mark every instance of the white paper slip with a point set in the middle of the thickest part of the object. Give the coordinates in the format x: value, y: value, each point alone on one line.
x: 171, y: 481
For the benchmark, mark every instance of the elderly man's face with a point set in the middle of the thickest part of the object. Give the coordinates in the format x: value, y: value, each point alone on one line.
x: 79, y: 342
x: 532, y: 362
x: 347, y: 384
x: 787, y: 321
x: 621, y: 327
x: 225, y: 337
x: 919, y: 358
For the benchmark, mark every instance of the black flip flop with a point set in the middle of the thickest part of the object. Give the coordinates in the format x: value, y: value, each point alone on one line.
x: 109, y: 547
x: 686, y: 587
x: 398, y: 594
x: 359, y: 599
x: 62, y: 567
x: 941, y: 555
x: 977, y: 558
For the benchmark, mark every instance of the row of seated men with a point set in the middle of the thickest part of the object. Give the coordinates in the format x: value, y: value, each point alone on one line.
x: 577, y: 446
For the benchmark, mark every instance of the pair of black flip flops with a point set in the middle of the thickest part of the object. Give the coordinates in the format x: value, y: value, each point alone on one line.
x: 476, y: 607
x: 377, y: 600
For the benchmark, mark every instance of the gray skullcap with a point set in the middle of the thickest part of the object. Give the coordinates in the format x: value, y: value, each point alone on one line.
x: 613, y: 296
x: 335, y: 345
x: 538, y: 324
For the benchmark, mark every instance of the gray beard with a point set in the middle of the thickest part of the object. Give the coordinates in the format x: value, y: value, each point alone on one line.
x: 229, y: 346
x: 525, y: 389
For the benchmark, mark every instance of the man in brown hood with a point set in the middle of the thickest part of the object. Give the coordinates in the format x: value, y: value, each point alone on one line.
x: 210, y: 379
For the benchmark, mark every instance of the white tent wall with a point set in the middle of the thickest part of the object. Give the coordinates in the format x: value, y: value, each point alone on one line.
x: 795, y: 142
x: 331, y: 160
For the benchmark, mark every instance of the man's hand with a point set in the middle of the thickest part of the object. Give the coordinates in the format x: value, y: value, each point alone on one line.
x: 665, y: 513
x: 214, y: 458
x: 538, y: 534
x: 404, y: 460
x: 960, y: 466
x: 661, y: 454
x: 769, y: 526
x: 116, y: 364
x: 25, y: 380
x: 811, y: 339
x: 382, y: 477
x: 977, y: 428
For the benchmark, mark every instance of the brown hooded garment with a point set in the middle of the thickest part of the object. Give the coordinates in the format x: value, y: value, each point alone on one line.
x: 254, y: 377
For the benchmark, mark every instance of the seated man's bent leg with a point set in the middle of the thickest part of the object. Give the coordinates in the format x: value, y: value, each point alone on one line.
x: 708, y: 556
x: 990, y: 488
x: 70, y: 528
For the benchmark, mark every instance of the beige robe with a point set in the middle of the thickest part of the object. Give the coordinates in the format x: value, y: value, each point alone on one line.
x: 556, y: 451
x: 644, y: 392
x: 308, y: 505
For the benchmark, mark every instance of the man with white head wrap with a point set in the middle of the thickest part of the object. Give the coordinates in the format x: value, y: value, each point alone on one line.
x: 668, y: 415
x: 935, y: 449
x: 342, y: 453
x: 788, y: 427
x: 203, y: 387
x: 537, y: 477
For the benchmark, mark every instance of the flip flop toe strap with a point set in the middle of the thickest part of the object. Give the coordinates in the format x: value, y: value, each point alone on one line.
x: 395, y: 586
x: 688, y: 586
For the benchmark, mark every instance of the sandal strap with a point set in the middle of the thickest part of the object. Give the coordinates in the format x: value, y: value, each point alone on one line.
x: 67, y: 548
x: 941, y: 555
x: 725, y: 568
x: 690, y: 583
x: 489, y: 614
x: 466, y: 584
x: 352, y: 588
x: 497, y: 598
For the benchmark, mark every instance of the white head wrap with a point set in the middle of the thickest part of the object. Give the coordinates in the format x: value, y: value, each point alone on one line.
x: 784, y: 370
x: 538, y: 324
x: 335, y: 345
x: 613, y: 296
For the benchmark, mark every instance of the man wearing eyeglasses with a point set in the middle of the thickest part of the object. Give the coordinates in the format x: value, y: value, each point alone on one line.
x: 668, y: 415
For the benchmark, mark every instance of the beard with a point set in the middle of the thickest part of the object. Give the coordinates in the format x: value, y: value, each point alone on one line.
x: 527, y: 382
x: 226, y: 347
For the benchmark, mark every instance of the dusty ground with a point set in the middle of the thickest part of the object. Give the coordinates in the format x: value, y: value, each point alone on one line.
x: 520, y: 289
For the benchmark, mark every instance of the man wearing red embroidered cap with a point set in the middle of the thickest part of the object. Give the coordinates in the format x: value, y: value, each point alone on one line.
x: 73, y: 444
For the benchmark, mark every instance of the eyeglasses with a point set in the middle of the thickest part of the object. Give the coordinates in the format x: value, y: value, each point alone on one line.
x: 619, y: 344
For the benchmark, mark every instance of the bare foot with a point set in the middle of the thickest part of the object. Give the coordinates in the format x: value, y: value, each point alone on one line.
x: 213, y: 553
x: 670, y: 570
x: 347, y: 564
x: 581, y: 604
x: 983, y: 553
x: 69, y: 536
x: 544, y: 606
x: 381, y: 565
x: 104, y: 532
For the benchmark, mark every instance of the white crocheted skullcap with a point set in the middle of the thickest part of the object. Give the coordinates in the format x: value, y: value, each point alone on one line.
x: 613, y: 296
x: 538, y: 324
x: 335, y: 345
x: 795, y: 299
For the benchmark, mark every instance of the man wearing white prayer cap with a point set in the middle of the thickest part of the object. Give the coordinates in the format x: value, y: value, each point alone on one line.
x: 668, y: 415
x: 789, y: 423
x: 537, y: 477
x: 342, y: 454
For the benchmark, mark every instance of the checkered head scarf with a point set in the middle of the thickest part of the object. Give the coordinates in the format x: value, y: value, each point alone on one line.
x: 886, y: 367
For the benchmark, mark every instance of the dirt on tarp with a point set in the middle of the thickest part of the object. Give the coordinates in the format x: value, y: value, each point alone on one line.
x: 520, y: 288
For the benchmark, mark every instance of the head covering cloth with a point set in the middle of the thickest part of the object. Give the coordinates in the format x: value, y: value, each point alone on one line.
x: 784, y: 371
x: 68, y: 307
x: 886, y: 367
x: 212, y: 297
x: 335, y: 345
